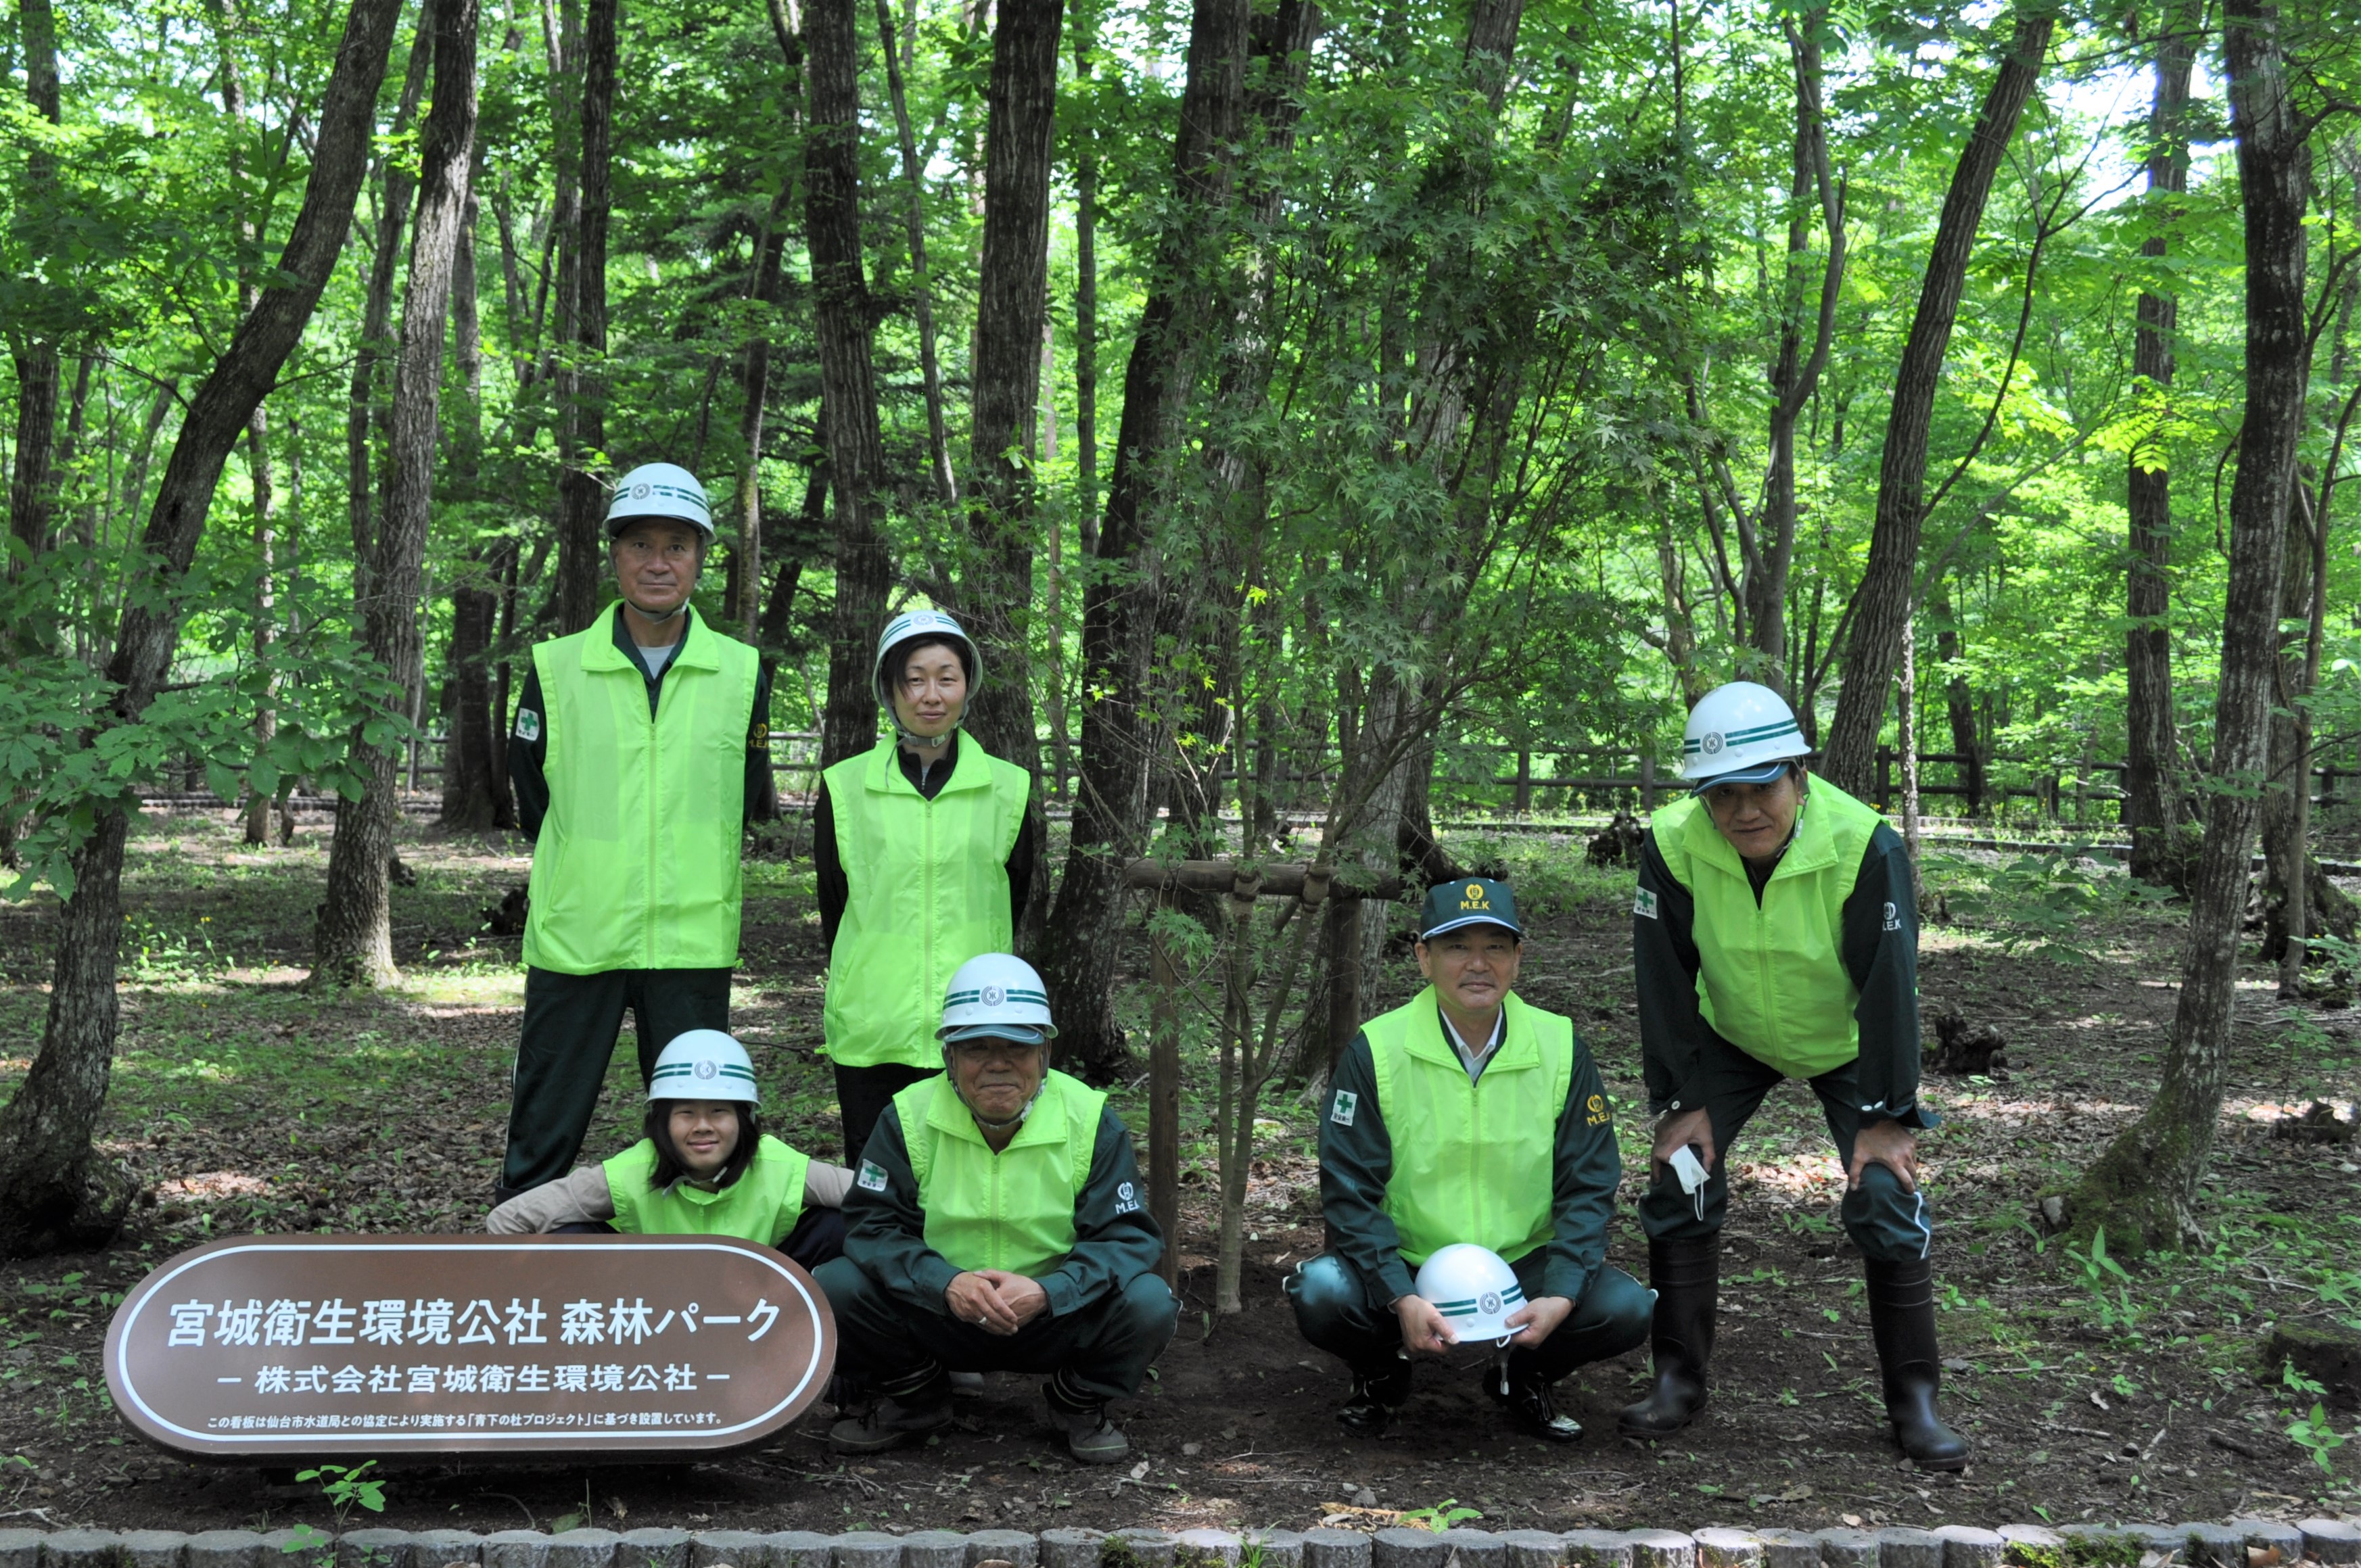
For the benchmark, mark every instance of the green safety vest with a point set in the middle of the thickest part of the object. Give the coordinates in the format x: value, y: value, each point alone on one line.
x: 1771, y: 977
x: 637, y: 864
x: 1472, y: 1161
x: 762, y: 1205
x: 1014, y: 1209
x: 928, y: 890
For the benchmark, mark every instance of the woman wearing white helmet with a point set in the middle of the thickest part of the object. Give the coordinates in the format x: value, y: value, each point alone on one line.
x: 641, y: 748
x: 702, y: 1167
x: 997, y: 1226
x: 922, y: 862
x: 1776, y: 936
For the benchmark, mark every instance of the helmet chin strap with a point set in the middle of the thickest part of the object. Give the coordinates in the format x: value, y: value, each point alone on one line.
x: 932, y: 742
x: 951, y: 1071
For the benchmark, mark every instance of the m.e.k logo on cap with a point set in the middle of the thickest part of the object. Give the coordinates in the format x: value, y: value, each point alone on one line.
x: 1474, y: 897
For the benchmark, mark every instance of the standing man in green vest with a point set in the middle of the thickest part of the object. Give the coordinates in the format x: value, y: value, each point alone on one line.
x: 1776, y: 936
x: 640, y: 745
x: 1467, y: 1115
x: 920, y: 862
x: 996, y: 1223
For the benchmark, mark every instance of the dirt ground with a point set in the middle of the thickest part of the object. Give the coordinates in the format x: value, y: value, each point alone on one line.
x: 246, y: 1102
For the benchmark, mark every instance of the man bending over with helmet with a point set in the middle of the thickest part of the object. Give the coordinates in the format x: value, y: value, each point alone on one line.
x: 1468, y: 1116
x: 640, y: 745
x: 996, y: 1223
x: 1776, y: 936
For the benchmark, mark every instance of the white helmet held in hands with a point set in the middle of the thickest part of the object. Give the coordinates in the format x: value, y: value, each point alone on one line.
x: 996, y: 995
x: 1740, y: 733
x: 704, y: 1064
x: 660, y: 489
x: 1474, y: 1288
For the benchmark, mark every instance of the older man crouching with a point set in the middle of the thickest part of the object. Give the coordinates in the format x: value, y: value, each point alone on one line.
x: 998, y: 1224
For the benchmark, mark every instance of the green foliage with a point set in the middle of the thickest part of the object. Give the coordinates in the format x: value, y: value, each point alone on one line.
x: 2110, y: 1285
x: 2046, y: 904
x: 1441, y: 1516
x: 2312, y: 1431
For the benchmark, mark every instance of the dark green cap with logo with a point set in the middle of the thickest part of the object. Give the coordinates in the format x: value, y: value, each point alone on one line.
x: 1472, y: 901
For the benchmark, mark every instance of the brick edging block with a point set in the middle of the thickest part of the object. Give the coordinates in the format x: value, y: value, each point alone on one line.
x: 2327, y: 1542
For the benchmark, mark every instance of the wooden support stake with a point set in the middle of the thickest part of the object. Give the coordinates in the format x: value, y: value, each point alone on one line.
x: 1343, y: 976
x: 1164, y: 1100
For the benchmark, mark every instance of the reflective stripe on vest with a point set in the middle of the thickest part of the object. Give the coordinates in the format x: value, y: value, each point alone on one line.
x: 926, y: 887
x: 761, y: 1206
x: 1014, y: 1209
x: 1771, y: 977
x: 637, y: 864
x: 1472, y: 1161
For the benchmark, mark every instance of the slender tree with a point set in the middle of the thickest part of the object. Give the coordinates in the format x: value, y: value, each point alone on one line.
x: 32, y: 486
x: 1082, y: 939
x: 1888, y: 582
x: 354, y: 945
x: 1011, y: 307
x: 582, y: 323
x: 2144, y: 1188
x: 2151, y: 796
x: 842, y: 314
x: 56, y: 1191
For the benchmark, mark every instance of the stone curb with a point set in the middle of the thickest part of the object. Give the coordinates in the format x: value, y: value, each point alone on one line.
x: 2330, y: 1543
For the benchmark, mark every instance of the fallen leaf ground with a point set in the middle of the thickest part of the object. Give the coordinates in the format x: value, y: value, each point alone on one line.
x: 246, y: 1102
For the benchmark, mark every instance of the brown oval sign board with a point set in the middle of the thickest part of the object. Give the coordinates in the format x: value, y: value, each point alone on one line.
x: 316, y: 1344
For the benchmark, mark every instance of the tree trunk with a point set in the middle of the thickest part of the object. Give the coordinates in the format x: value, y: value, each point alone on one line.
x: 1012, y: 303
x: 266, y: 616
x: 922, y: 294
x: 32, y: 486
x: 470, y: 738
x: 2151, y: 793
x: 746, y: 557
x: 1086, y: 297
x: 582, y: 326
x: 1959, y: 703
x: 1883, y: 600
x: 1795, y: 374
x: 354, y: 945
x: 1084, y: 936
x: 2144, y: 1188
x: 55, y: 1193
x: 843, y: 315
x: 394, y: 188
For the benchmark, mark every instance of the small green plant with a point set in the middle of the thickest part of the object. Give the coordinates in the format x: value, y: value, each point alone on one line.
x: 2313, y: 1432
x: 344, y: 1488
x: 1440, y: 1518
x: 2100, y: 1272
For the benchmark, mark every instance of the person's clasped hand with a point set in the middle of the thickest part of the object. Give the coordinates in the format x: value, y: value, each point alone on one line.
x: 995, y: 1301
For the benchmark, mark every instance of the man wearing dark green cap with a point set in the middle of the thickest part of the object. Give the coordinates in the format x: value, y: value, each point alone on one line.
x: 1467, y: 1115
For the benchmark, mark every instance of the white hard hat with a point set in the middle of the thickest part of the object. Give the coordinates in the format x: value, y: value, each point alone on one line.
x: 704, y: 1064
x: 923, y: 623
x: 996, y: 995
x: 659, y: 489
x: 1474, y: 1289
x: 1740, y: 733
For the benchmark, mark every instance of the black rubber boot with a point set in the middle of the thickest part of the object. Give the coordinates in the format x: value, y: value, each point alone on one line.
x: 1532, y: 1405
x: 1377, y: 1394
x: 1687, y: 1275
x: 1902, y: 1320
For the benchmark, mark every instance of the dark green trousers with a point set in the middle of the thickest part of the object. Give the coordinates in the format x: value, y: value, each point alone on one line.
x: 1101, y: 1352
x: 1884, y: 1221
x: 1332, y: 1310
x: 571, y: 1022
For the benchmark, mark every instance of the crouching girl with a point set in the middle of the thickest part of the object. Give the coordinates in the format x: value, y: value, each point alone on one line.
x: 705, y: 1167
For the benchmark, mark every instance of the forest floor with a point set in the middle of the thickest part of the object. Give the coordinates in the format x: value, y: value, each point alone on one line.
x: 245, y: 1103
